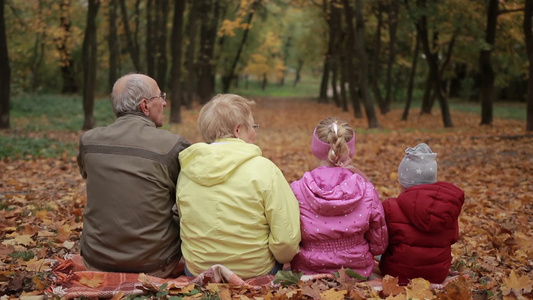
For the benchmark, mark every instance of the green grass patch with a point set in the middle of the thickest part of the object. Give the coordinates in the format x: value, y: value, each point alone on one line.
x: 55, y: 112
x: 25, y: 255
x: 22, y: 147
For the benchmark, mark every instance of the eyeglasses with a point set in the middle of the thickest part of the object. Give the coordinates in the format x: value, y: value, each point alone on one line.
x: 162, y: 96
x: 255, y: 126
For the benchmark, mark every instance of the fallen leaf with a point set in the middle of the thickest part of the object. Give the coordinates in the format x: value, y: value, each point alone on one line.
x: 93, y: 281
x: 517, y: 285
x: 391, y: 287
x: 333, y: 294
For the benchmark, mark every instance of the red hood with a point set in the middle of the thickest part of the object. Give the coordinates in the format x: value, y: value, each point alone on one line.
x: 432, y: 207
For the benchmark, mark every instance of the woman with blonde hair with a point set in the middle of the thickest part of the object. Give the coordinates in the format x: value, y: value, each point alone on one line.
x: 341, y: 216
x: 236, y: 207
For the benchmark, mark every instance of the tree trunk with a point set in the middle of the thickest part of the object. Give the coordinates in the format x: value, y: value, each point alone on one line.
x: 336, y: 25
x: 5, y: 72
x: 228, y: 77
x: 112, y: 42
x: 350, y: 46
x: 411, y: 81
x: 393, y: 29
x: 151, y: 39
x: 434, y: 74
x: 363, y: 68
x: 133, y: 47
x: 376, y: 61
x: 529, y: 48
x: 208, y: 33
x: 191, y: 50
x: 38, y: 51
x: 161, y: 55
x: 334, y: 72
x: 286, y: 51
x: 177, y: 38
x: 264, y: 82
x: 62, y: 45
x: 298, y: 71
x: 323, y: 94
x: 89, y: 54
x: 485, y: 65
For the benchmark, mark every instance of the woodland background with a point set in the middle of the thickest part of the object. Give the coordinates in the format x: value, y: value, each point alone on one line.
x: 454, y: 74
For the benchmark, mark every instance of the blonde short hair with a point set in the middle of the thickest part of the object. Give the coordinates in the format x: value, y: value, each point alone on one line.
x: 220, y: 115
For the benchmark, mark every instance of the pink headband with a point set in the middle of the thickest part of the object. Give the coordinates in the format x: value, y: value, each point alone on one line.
x: 321, y: 149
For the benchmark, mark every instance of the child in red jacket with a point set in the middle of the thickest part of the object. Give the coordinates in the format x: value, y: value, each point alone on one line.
x: 422, y: 221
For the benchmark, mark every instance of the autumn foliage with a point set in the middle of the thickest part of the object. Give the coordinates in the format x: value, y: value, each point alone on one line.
x: 42, y: 201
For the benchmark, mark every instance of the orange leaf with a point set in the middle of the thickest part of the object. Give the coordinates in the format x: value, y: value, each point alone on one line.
x: 391, y: 287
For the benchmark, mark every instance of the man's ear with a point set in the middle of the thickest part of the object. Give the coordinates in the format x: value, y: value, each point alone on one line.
x: 143, y: 106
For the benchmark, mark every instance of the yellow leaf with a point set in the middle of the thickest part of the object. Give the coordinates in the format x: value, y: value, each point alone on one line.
x: 223, y: 292
x: 36, y: 265
x: 24, y: 240
x: 332, y: 294
x: 418, y: 288
x: 517, y: 285
x: 94, y: 281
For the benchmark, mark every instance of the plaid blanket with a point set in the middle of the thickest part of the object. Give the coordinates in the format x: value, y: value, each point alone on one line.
x: 73, y: 280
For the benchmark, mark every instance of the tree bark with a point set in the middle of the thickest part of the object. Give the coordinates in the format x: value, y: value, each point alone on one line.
x: 411, y: 80
x: 328, y: 58
x: 191, y: 50
x: 151, y: 40
x: 161, y: 44
x: 89, y: 53
x: 376, y: 61
x: 208, y: 33
x: 434, y: 74
x: 62, y: 45
x: 336, y: 25
x: 350, y: 46
x: 133, y: 46
x: 228, y: 77
x: 177, y: 38
x: 363, y: 68
x: 485, y: 65
x: 112, y: 42
x: 5, y: 72
x: 393, y: 29
x: 529, y: 47
x: 297, y: 77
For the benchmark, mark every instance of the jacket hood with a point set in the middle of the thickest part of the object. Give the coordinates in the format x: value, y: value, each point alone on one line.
x: 332, y: 191
x: 432, y: 207
x: 211, y: 164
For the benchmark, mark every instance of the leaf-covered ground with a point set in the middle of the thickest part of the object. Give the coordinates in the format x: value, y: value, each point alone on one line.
x: 42, y: 200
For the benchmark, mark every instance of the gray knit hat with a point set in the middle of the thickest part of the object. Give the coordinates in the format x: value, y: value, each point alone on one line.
x: 418, y: 166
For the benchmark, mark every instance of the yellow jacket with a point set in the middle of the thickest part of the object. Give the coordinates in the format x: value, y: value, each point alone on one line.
x: 236, y: 209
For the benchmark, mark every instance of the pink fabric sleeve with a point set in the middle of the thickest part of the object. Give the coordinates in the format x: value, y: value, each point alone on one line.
x: 377, y: 235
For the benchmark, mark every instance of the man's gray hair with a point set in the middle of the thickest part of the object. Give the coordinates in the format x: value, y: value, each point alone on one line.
x: 128, y: 98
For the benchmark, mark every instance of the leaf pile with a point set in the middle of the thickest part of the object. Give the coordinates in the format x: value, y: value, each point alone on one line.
x: 42, y: 201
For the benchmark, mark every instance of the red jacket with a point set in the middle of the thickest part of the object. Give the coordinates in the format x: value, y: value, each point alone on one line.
x: 422, y: 224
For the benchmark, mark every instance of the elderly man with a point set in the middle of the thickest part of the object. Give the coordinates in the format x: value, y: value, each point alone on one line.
x: 131, y: 168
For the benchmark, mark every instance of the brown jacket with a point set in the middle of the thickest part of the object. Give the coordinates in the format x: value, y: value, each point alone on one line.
x: 131, y: 169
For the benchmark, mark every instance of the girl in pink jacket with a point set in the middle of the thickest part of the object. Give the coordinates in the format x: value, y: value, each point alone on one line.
x: 341, y: 216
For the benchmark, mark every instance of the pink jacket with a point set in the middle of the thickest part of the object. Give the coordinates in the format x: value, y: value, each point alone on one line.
x: 342, y: 222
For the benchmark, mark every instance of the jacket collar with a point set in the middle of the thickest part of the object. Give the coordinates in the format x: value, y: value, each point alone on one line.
x: 136, y: 114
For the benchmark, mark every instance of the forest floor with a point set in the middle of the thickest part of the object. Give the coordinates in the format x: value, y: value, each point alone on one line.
x: 42, y: 200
